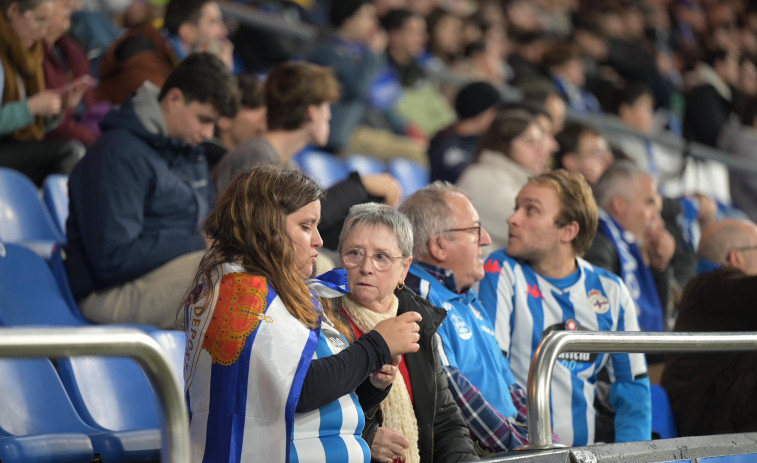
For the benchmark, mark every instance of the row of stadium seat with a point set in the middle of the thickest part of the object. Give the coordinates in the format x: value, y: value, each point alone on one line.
x: 328, y: 169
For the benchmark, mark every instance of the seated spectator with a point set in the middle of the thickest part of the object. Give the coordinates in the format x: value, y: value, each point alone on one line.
x: 355, y: 53
x: 444, y: 38
x: 145, y: 53
x: 541, y: 271
x: 28, y: 110
x: 138, y: 197
x: 401, y: 94
x: 447, y: 262
x: 256, y: 328
x: 512, y: 150
x: 452, y: 149
x: 632, y: 241
x: 419, y: 421
x: 562, y: 61
x: 249, y: 122
x: 297, y: 98
x: 64, y: 63
x: 583, y: 150
x: 719, y: 299
x: 676, y: 175
x: 709, y: 100
x: 544, y: 96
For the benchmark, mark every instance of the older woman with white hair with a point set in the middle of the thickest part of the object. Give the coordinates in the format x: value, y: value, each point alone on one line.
x: 419, y: 421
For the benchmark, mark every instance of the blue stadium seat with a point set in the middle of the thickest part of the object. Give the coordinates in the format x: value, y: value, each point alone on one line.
x: 55, y: 195
x: 411, y: 175
x: 663, y: 422
x: 29, y: 294
x: 35, y: 408
x: 364, y: 164
x: 23, y: 216
x: 113, y: 394
x: 322, y: 167
x: 58, y: 268
x: 38, y: 416
x: 173, y: 342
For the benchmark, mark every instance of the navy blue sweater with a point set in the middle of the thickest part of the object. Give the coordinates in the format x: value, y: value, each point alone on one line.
x: 136, y: 201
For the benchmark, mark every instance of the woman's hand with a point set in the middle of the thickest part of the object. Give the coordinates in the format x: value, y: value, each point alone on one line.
x: 385, y: 376
x: 388, y: 445
x: 400, y: 333
x: 45, y: 103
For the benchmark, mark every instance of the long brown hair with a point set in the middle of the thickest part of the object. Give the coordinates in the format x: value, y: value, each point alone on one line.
x: 248, y: 225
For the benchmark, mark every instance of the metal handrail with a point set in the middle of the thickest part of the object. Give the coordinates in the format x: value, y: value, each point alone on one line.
x: 113, y: 342
x: 543, y: 362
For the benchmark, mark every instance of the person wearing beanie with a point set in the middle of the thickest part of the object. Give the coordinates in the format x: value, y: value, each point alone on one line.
x: 452, y: 149
x: 355, y: 52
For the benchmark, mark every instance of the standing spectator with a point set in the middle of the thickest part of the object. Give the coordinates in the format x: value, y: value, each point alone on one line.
x: 139, y: 196
x: 28, y: 110
x: 540, y: 284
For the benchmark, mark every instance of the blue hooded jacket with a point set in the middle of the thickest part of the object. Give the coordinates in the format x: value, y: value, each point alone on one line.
x: 137, y: 199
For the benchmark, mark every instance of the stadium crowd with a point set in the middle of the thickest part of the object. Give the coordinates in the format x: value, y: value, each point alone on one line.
x: 180, y: 132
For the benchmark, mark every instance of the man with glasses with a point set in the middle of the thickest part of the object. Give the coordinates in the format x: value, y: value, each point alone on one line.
x: 447, y: 261
x: 720, y: 298
x: 540, y: 284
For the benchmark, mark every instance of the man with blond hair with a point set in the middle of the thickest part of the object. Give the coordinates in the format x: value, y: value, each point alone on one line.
x: 540, y: 284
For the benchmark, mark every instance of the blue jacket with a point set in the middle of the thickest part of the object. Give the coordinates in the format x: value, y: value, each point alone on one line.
x: 136, y: 201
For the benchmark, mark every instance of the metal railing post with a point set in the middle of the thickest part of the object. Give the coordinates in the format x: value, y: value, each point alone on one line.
x: 555, y: 343
x: 113, y: 342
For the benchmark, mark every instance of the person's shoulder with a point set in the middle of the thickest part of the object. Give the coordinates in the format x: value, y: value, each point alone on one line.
x: 241, y: 286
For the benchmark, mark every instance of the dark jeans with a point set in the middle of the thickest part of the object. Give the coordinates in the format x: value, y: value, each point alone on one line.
x: 37, y: 159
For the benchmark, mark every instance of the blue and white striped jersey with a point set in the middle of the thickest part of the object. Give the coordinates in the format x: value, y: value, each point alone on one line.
x: 331, y: 433
x: 245, y: 363
x: 525, y: 306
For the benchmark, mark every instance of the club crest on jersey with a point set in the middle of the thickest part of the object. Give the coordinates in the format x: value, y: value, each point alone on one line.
x: 447, y: 306
x: 462, y: 328
x: 598, y: 302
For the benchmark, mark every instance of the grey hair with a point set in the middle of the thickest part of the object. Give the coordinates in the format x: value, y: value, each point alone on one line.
x: 615, y: 181
x: 380, y: 214
x: 429, y: 214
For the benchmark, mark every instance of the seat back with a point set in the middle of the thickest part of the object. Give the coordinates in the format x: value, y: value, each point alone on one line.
x: 322, y: 167
x: 58, y: 267
x: 110, y: 393
x: 29, y: 294
x: 364, y: 164
x: 174, y: 343
x: 33, y: 400
x: 23, y: 216
x: 663, y: 421
x: 410, y: 174
x: 55, y: 195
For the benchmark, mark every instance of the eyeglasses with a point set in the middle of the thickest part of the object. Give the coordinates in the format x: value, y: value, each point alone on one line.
x: 382, y: 261
x: 477, y: 229
x: 745, y: 248
x: 37, y: 23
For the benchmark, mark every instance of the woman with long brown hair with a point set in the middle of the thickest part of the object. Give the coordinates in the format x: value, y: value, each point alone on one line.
x: 269, y: 376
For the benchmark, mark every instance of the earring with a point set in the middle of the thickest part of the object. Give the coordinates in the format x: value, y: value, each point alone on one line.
x: 400, y: 286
